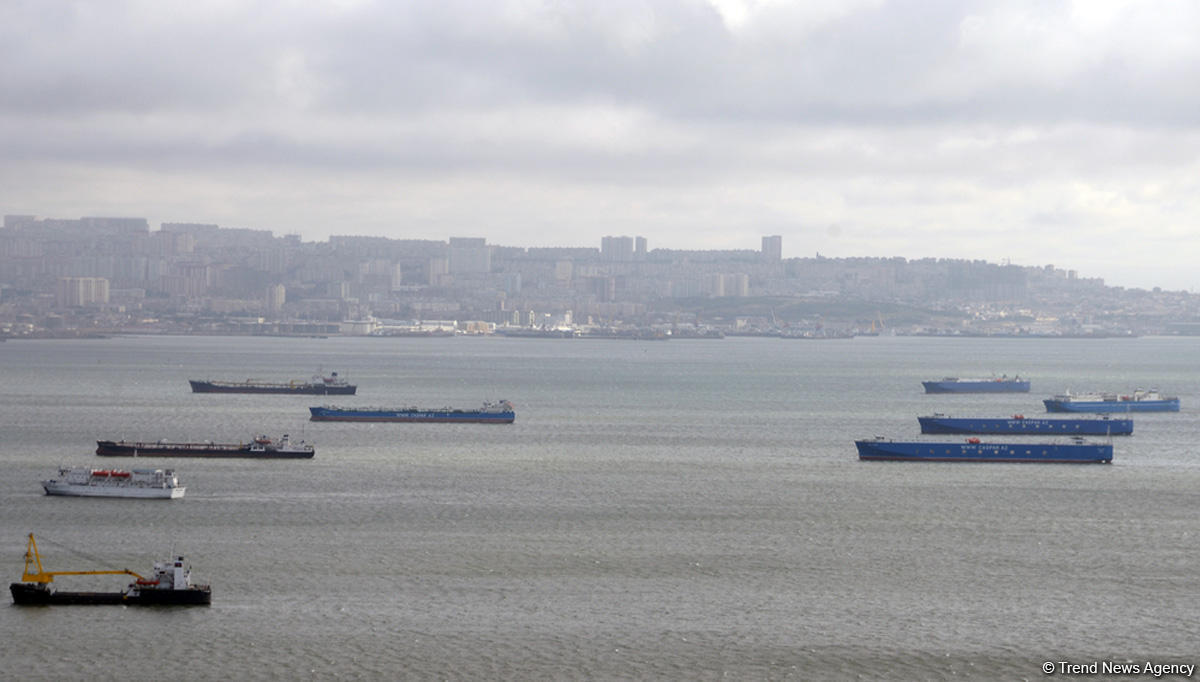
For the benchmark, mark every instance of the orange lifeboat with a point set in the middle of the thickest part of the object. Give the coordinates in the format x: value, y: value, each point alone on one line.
x: 973, y: 441
x: 1018, y: 416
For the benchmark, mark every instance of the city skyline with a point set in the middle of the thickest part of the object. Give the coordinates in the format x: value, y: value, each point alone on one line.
x: 1030, y: 133
x: 99, y: 275
x: 614, y: 247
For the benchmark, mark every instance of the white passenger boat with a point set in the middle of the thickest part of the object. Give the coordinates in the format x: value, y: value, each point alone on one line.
x: 89, y: 482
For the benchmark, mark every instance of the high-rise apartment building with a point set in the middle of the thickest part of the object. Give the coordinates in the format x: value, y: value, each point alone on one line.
x: 616, y: 249
x: 469, y: 255
x: 75, y: 292
x: 276, y: 296
x: 772, y: 248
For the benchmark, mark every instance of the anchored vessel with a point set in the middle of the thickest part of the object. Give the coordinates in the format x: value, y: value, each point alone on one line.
x: 170, y: 585
x: 89, y: 482
x: 318, y: 385
x: 261, y: 447
x: 1019, y: 424
x: 972, y: 450
x: 491, y: 413
x: 1138, y: 401
x: 1001, y: 384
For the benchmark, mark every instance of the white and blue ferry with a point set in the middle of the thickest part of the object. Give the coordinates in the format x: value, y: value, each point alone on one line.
x: 1000, y: 384
x: 1138, y: 401
x: 1020, y: 425
x: 1076, y: 451
x: 501, y: 412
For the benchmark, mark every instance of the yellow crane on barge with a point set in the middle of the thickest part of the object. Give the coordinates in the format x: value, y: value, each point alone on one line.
x: 42, y: 576
x: 171, y: 585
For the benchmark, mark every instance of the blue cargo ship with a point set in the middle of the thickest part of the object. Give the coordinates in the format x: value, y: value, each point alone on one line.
x: 491, y: 413
x: 1138, y: 401
x: 1002, y: 384
x: 1019, y: 424
x: 972, y: 450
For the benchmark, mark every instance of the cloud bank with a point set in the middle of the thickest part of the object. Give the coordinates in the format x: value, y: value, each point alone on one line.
x: 1062, y: 133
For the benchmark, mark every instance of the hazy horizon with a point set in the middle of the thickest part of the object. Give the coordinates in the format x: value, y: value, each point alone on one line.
x: 1036, y: 133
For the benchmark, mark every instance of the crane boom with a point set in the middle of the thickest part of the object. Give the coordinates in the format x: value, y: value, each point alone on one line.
x: 43, y: 576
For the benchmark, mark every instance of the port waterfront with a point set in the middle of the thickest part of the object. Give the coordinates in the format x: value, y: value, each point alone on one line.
x: 658, y: 511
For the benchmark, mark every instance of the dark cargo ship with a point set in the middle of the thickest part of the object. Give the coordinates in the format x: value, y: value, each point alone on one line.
x: 170, y: 585
x: 491, y: 413
x: 318, y: 385
x: 261, y: 447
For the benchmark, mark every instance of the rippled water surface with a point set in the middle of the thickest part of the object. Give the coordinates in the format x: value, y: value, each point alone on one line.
x: 673, y: 510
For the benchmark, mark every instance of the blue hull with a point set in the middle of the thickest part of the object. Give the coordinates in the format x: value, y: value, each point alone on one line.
x: 938, y: 424
x: 1055, y: 405
x: 1040, y: 453
x: 330, y: 414
x: 982, y: 386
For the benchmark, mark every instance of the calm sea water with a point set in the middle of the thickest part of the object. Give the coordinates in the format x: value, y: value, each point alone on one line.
x: 669, y: 510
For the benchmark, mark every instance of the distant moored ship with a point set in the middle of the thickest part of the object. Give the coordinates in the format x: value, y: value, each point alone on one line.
x: 261, y: 447
x: 1138, y: 401
x: 1001, y: 384
x: 89, y: 482
x: 501, y: 412
x: 169, y: 585
x: 1020, y: 425
x: 973, y: 450
x: 318, y: 385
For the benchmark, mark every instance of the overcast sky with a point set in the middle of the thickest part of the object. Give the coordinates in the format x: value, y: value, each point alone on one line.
x: 1035, y: 132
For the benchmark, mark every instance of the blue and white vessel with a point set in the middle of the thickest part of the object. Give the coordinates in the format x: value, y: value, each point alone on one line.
x: 1076, y: 451
x: 1020, y: 425
x: 1138, y: 401
x: 1001, y: 384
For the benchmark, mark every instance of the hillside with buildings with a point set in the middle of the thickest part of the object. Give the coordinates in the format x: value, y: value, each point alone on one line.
x: 100, y: 275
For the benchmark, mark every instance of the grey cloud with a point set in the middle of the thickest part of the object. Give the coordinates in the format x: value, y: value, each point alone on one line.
x: 904, y: 62
x: 658, y: 116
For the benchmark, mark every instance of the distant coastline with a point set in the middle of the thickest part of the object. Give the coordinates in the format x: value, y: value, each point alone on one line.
x: 630, y: 334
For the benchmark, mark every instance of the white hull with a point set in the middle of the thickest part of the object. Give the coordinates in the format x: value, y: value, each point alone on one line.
x: 72, y: 490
